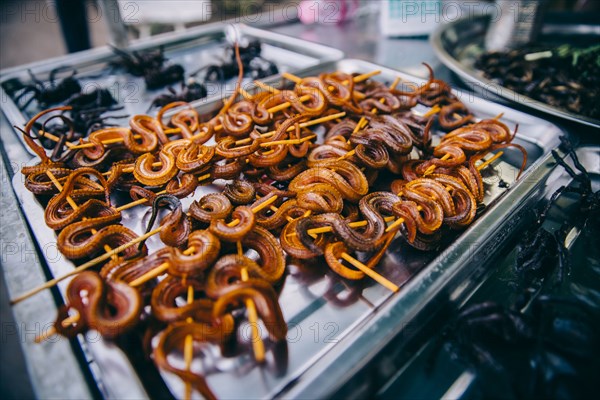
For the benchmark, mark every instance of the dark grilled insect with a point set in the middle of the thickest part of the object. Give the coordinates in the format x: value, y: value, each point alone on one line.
x: 562, y: 77
x: 190, y: 92
x: 541, y: 252
x: 78, y: 123
x: 97, y: 98
x: 254, y: 65
x: 12, y: 86
x: 550, y: 351
x: 151, y: 65
x: 137, y: 63
x: 158, y: 78
x: 50, y: 94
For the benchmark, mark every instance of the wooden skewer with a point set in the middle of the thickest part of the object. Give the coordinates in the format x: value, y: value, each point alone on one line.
x: 432, y: 168
x: 291, y: 128
x: 188, y: 347
x: 256, y: 209
x: 257, y: 344
x: 85, y: 266
x: 356, y: 79
x: 369, y: 272
x: 288, y: 141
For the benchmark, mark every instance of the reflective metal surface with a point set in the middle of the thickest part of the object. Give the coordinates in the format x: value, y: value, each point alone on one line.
x: 458, y: 44
x: 335, y: 326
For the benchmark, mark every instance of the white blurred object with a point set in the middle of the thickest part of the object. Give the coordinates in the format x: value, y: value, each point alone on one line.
x: 410, y: 17
x: 519, y: 22
x: 144, y: 13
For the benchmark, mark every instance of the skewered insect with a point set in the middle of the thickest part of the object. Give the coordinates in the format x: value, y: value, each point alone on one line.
x: 190, y: 92
x: 52, y: 93
x: 254, y: 64
x: 151, y: 65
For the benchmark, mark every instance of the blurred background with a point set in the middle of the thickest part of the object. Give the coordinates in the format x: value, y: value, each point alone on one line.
x: 33, y: 30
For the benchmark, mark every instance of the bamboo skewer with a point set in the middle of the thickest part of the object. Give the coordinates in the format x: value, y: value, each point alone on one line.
x: 188, y: 347
x: 291, y: 128
x: 85, y: 266
x: 370, y: 273
x: 258, y: 345
x: 356, y: 79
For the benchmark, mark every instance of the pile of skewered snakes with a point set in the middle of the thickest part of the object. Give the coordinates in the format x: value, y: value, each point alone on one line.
x: 284, y: 196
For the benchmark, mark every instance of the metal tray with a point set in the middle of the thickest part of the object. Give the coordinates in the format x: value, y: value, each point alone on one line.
x: 458, y: 44
x: 193, y: 49
x: 335, y: 326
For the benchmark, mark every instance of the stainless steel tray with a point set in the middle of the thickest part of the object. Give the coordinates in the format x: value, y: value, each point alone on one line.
x: 335, y: 326
x: 193, y: 49
x: 458, y: 44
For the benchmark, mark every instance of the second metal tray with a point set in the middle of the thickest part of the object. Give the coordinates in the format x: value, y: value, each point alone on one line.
x: 458, y: 44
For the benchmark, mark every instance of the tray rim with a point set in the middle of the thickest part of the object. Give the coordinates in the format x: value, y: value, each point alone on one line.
x: 468, y: 75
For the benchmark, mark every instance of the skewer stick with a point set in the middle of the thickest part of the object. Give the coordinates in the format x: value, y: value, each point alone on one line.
x: 288, y: 141
x: 158, y: 271
x: 326, y: 229
x: 85, y: 266
x: 292, y: 128
x: 255, y: 209
x: 489, y: 161
x: 54, y: 138
x: 369, y: 272
x: 188, y: 347
x: 257, y: 344
x: 356, y: 79
x: 73, y: 319
x: 432, y: 168
x: 144, y: 200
